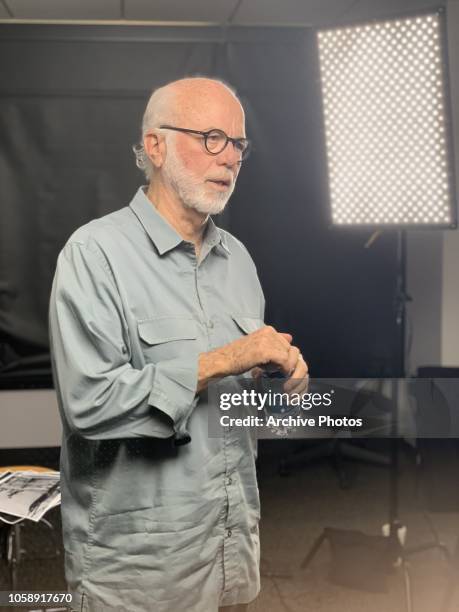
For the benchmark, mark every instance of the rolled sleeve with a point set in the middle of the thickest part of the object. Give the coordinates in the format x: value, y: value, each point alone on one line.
x: 174, y: 392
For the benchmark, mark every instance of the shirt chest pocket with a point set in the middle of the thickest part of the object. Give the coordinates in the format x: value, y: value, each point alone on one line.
x: 246, y: 324
x: 164, y: 338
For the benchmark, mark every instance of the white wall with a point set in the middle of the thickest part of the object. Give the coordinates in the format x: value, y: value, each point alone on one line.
x: 29, y: 419
x: 425, y: 286
x: 433, y: 260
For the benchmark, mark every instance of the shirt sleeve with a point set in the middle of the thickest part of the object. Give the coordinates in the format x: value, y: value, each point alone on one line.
x: 101, y: 395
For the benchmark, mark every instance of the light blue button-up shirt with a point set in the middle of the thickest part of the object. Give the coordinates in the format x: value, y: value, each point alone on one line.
x: 157, y: 516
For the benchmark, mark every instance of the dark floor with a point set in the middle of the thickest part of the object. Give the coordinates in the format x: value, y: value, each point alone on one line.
x: 295, y: 509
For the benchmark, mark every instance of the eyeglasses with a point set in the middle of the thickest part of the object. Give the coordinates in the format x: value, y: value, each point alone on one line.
x: 215, y: 141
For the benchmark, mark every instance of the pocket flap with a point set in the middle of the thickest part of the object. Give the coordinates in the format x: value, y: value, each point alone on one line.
x: 248, y: 324
x: 167, y: 329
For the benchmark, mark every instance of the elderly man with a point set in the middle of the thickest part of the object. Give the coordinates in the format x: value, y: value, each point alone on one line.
x: 149, y: 304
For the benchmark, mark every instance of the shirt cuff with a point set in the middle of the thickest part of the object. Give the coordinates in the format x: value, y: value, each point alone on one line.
x: 174, y: 392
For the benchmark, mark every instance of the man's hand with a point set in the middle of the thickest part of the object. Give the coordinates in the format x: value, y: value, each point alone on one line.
x: 299, y: 378
x: 260, y: 348
x: 264, y: 347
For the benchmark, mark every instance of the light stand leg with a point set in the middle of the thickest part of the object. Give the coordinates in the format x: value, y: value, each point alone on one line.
x: 314, y: 549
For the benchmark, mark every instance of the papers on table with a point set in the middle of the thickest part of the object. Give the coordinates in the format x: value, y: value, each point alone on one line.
x: 28, y: 495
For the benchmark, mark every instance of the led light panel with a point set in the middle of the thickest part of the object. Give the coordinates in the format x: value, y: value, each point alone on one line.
x: 386, y: 130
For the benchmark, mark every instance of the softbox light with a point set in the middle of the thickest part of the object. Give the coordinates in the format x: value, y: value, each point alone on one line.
x: 387, y: 122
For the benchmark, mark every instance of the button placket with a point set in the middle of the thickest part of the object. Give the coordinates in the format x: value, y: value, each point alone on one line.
x: 197, y: 274
x: 230, y: 547
x: 208, y: 323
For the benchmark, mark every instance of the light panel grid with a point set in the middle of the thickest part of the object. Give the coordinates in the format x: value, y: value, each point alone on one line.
x: 386, y: 132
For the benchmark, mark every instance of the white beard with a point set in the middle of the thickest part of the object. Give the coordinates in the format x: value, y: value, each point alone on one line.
x: 192, y: 190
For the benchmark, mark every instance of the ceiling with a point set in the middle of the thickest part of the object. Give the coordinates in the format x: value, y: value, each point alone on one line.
x: 212, y: 12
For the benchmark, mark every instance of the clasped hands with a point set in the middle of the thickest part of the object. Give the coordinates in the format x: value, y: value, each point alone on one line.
x: 264, y: 349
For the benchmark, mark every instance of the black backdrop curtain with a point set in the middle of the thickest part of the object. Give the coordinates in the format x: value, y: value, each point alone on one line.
x: 71, y: 101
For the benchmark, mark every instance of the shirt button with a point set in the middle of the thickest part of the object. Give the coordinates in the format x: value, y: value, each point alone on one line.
x: 229, y: 533
x: 229, y: 480
x: 210, y: 324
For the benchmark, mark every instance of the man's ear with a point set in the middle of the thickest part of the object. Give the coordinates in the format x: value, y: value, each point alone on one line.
x: 155, y: 147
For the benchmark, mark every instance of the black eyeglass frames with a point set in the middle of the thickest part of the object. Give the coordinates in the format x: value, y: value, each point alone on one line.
x: 215, y: 140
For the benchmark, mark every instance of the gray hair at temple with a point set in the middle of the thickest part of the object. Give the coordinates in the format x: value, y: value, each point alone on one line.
x: 159, y: 110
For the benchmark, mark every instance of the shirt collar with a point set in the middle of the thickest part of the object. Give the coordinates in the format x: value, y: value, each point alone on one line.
x: 163, y: 235
x: 214, y: 236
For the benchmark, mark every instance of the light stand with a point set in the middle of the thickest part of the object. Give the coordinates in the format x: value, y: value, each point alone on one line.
x: 396, y: 553
x: 386, y: 112
x: 396, y: 530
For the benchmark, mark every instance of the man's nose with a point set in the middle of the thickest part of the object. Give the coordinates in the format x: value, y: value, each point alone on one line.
x: 229, y: 156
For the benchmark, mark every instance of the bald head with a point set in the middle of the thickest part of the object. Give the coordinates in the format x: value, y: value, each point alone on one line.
x: 188, y: 102
x: 193, y: 98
